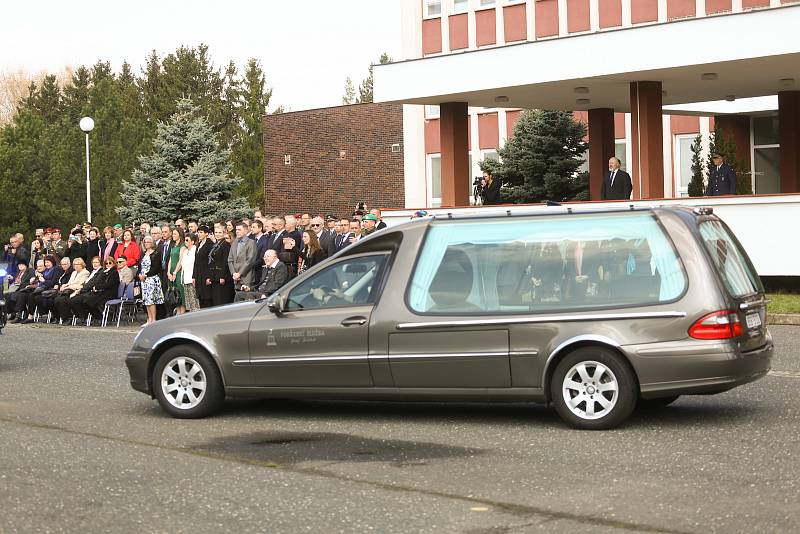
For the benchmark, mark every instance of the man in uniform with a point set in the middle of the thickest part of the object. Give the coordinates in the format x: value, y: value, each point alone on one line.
x: 721, y: 177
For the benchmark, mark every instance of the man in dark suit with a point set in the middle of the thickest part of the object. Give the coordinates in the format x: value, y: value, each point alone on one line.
x: 276, y: 239
x: 326, y: 240
x: 721, y: 177
x: 262, y: 244
x: 274, y: 275
x: 377, y: 213
x: 617, y: 183
x: 342, y: 234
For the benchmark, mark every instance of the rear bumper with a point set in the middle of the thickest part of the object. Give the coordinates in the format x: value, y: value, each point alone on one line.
x: 699, y: 369
x: 137, y: 363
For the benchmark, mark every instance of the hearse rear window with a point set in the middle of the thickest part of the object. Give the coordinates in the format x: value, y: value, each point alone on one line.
x: 540, y: 264
x: 729, y: 260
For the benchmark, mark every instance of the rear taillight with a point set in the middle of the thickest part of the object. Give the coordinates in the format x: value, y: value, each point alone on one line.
x: 724, y: 324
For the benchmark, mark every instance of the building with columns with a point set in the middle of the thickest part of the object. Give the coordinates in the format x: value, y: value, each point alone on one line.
x: 646, y: 75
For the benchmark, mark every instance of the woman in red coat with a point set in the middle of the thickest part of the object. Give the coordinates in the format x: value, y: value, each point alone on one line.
x: 129, y: 249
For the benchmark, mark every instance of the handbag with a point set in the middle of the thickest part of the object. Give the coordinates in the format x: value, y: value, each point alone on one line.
x: 172, y: 298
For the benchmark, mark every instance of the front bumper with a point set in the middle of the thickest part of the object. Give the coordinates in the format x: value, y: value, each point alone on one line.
x: 138, y: 365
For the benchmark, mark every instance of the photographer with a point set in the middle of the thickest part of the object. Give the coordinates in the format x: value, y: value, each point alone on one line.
x: 15, y: 252
x: 491, y: 191
x: 76, y: 248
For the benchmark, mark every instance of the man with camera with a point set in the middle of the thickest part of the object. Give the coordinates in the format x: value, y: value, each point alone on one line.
x: 76, y: 248
x: 14, y: 252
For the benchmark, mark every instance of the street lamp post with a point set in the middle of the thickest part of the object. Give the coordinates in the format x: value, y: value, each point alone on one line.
x: 87, y: 125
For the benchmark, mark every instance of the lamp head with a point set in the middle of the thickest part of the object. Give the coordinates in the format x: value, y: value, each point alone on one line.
x: 87, y: 124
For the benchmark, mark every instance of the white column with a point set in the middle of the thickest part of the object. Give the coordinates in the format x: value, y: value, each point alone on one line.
x: 594, y: 15
x: 628, y: 143
x: 705, y: 132
x: 736, y: 6
x: 474, y: 141
x: 499, y: 28
x: 626, y: 13
x: 700, y: 8
x: 662, y: 10
x: 530, y: 19
x: 774, y: 3
x: 446, y: 10
x: 562, y: 18
x: 502, y: 127
x: 472, y: 35
x: 669, y: 174
x: 414, y: 172
x: 411, y: 29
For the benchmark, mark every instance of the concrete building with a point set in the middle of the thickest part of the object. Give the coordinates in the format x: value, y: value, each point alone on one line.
x: 647, y: 76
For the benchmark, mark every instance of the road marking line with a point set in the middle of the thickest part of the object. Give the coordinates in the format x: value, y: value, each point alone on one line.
x: 785, y: 374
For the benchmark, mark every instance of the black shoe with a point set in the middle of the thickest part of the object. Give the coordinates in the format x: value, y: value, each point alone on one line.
x: 16, y: 319
x: 29, y: 320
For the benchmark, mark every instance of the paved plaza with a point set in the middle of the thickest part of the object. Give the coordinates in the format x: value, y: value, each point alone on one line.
x: 83, y: 452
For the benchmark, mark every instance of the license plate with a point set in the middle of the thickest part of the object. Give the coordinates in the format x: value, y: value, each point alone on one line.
x: 753, y: 320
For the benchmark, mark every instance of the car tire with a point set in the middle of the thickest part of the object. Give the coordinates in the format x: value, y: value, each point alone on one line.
x: 656, y: 404
x: 187, y: 383
x: 594, y: 388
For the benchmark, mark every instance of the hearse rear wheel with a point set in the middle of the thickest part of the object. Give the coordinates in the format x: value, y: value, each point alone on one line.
x: 593, y: 388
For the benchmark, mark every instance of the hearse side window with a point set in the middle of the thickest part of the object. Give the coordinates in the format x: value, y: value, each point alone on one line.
x: 547, y: 263
x: 350, y: 282
x: 729, y: 260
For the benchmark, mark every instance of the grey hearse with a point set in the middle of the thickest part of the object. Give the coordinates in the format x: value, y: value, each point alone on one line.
x: 592, y: 311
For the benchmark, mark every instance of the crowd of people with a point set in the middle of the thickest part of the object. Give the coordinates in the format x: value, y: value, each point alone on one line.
x: 169, y: 267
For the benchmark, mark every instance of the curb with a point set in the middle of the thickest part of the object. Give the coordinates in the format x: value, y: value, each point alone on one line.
x: 784, y: 318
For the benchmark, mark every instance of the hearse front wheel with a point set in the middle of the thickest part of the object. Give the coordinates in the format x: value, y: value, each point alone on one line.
x: 593, y: 388
x: 187, y: 383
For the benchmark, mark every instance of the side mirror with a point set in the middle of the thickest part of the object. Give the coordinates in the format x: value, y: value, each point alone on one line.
x: 276, y: 304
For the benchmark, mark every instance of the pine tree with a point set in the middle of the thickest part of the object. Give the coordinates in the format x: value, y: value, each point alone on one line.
x: 365, y: 90
x: 697, y: 186
x: 541, y: 161
x: 187, y: 175
x: 349, y: 96
x: 247, y: 156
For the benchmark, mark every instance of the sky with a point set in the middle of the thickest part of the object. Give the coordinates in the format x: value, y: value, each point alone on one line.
x: 306, y: 47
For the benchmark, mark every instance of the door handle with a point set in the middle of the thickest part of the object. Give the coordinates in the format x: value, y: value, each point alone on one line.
x: 354, y: 321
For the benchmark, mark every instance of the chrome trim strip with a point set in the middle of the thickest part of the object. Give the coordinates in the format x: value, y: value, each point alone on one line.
x: 448, y: 355
x: 754, y: 304
x: 290, y: 359
x: 543, y: 319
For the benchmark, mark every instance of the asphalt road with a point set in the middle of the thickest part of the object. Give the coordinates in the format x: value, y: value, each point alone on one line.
x: 83, y: 452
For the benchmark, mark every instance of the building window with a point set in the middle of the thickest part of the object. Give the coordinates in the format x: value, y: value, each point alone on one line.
x: 431, y: 111
x: 460, y: 6
x: 683, y: 163
x: 433, y: 8
x: 435, y: 179
x: 766, y: 156
x: 486, y: 3
x: 621, y: 152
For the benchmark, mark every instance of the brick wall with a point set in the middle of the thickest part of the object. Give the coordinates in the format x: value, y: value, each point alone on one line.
x: 339, y: 156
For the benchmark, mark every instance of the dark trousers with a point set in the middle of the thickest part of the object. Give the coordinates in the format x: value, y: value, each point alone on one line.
x: 89, y: 303
x: 61, y: 306
x: 24, y: 303
x: 222, y: 294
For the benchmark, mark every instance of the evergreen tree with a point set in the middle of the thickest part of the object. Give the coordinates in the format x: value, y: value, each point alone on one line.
x: 365, y: 93
x: 726, y: 146
x: 349, y: 96
x: 247, y: 157
x: 187, y: 175
x: 541, y: 161
x: 697, y: 186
